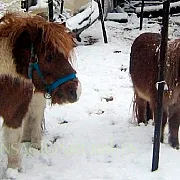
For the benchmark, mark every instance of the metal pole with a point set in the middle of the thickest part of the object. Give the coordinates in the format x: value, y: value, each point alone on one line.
x: 141, y: 15
x: 24, y: 5
x: 162, y: 61
x: 62, y: 6
x: 102, y: 21
x: 50, y: 7
x: 27, y: 6
x: 115, y: 3
x: 102, y: 2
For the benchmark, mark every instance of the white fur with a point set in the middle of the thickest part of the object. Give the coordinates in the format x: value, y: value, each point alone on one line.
x: 79, y: 90
x: 8, y: 66
x: 7, y: 62
x: 12, y: 142
x: 32, y: 130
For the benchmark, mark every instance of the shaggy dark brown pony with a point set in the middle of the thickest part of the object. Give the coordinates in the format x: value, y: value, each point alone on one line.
x: 34, y: 60
x: 144, y: 74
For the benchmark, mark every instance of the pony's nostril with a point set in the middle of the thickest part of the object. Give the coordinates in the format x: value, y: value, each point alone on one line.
x: 60, y: 94
x: 73, y: 94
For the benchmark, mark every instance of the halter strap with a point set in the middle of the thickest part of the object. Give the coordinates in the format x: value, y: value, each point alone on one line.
x: 34, y: 65
x: 51, y: 87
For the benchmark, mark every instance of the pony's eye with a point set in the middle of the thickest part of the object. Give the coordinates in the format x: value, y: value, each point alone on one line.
x: 49, y: 58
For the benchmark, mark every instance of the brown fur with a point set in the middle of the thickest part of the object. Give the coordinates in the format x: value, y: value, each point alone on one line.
x: 14, y: 24
x: 14, y: 108
x: 144, y: 75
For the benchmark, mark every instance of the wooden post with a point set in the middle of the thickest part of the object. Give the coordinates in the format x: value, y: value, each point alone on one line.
x: 141, y: 15
x: 162, y: 61
x: 50, y: 7
x: 102, y: 21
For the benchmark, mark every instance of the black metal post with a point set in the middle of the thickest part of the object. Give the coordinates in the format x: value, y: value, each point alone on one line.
x: 102, y: 2
x: 102, y: 21
x: 141, y: 15
x: 50, y: 7
x: 62, y: 6
x: 24, y: 5
x: 115, y: 3
x: 162, y: 61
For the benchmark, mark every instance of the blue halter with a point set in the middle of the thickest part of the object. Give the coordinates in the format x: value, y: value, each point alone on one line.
x: 48, y: 87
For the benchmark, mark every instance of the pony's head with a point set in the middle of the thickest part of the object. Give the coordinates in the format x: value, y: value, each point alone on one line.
x: 42, y: 52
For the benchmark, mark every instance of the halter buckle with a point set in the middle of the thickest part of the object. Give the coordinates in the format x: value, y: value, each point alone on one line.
x: 47, y: 95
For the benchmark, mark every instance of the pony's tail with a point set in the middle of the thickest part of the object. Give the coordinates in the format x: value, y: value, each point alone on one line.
x: 147, y: 109
x: 135, y: 109
x: 130, y: 65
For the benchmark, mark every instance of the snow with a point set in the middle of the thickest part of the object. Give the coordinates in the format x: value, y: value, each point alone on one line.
x: 80, y: 20
x: 117, y: 17
x: 14, y: 5
x: 101, y: 140
x: 89, y: 13
x: 157, y: 7
x: 41, y: 6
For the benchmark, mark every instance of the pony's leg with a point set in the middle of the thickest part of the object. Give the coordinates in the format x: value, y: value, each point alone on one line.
x: 37, y: 116
x: 26, y: 137
x: 164, y: 118
x: 140, y: 109
x: 149, y: 113
x: 32, y: 130
x: 13, y: 134
x: 12, y: 138
x: 174, y: 122
x: 164, y: 121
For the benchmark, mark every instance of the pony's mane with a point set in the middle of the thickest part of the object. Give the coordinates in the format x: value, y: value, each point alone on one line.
x: 13, y: 24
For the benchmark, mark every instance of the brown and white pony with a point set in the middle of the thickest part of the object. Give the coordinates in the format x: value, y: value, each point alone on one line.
x: 34, y: 60
x: 144, y: 74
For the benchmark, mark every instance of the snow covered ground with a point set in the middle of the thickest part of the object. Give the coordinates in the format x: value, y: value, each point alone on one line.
x: 96, y: 139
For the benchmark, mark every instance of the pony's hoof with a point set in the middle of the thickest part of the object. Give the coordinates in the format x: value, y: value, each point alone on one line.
x: 146, y: 123
x: 11, y: 173
x: 175, y: 147
x: 36, y: 145
x: 162, y: 139
x: 174, y: 142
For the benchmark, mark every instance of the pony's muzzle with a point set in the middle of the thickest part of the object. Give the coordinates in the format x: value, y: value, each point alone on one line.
x: 67, y: 93
x: 73, y: 93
